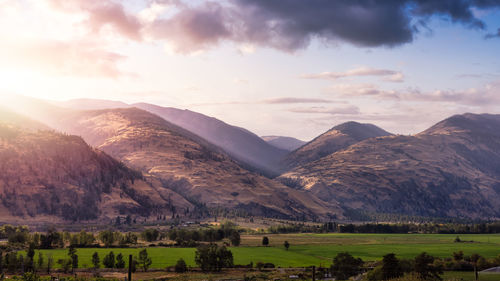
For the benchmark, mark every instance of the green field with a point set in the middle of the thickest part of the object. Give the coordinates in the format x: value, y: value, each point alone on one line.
x: 316, y: 249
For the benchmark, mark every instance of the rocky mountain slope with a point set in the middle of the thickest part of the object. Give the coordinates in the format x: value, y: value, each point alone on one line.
x: 449, y: 170
x: 286, y: 143
x: 191, y: 166
x: 47, y: 176
x: 335, y: 139
x: 239, y: 143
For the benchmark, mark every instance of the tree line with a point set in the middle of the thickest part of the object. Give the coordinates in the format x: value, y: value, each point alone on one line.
x: 431, y: 228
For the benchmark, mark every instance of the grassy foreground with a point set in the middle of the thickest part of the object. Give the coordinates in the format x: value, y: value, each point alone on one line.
x: 314, y: 249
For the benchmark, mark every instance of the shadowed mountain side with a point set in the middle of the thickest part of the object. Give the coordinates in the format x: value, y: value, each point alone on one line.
x: 449, y: 170
x: 335, y: 139
x: 51, y: 177
x: 239, y: 143
x: 190, y: 165
x: 286, y: 143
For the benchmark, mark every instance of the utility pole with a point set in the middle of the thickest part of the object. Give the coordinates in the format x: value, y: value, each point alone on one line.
x: 314, y: 273
x: 129, y: 268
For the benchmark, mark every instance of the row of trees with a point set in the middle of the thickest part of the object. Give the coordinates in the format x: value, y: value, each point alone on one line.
x: 54, y: 239
x: 437, y: 228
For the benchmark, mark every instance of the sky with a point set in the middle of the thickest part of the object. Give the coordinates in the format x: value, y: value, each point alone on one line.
x: 275, y: 67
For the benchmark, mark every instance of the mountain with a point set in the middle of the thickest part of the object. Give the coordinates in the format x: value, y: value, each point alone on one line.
x: 335, y: 139
x: 450, y: 170
x: 239, y: 143
x: 51, y: 177
x: 196, y: 169
x: 285, y: 143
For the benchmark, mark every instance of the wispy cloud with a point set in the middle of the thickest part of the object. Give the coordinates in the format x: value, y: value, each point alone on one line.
x: 80, y: 58
x: 348, y: 110
x: 290, y: 100
x: 386, y: 74
x: 470, y: 97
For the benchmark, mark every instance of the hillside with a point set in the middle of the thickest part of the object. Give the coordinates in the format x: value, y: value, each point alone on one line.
x: 286, y: 143
x: 50, y: 177
x: 335, y: 139
x: 449, y: 170
x: 194, y: 168
x: 239, y: 143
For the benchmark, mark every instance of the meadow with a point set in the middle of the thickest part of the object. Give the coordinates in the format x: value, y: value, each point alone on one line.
x: 313, y: 249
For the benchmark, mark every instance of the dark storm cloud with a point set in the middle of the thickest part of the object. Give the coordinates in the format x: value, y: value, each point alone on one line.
x: 290, y: 25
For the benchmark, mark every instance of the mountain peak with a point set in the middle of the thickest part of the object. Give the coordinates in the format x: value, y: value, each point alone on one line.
x: 360, y: 131
x: 335, y: 139
x: 467, y: 122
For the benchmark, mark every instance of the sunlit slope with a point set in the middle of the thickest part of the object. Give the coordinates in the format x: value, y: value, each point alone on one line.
x: 451, y: 169
x: 199, y: 171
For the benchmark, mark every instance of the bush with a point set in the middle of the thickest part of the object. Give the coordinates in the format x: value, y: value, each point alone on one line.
x: 180, y: 266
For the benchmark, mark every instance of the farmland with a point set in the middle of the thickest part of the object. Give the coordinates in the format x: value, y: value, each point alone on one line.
x: 315, y: 249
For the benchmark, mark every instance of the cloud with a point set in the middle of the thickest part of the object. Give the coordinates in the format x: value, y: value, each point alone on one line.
x: 290, y: 25
x: 389, y: 75
x: 493, y: 35
x: 287, y: 25
x: 193, y: 29
x: 348, y: 110
x: 290, y: 100
x: 102, y: 14
x: 468, y: 97
x: 80, y: 58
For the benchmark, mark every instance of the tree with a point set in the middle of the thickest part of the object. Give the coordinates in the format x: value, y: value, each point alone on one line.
x: 180, y: 266
x: 150, y: 235
x: 286, y: 245
x: 109, y: 260
x: 265, y: 241
x: 345, y: 266
x: 425, y: 268
x: 107, y: 237
x: 474, y: 258
x: 95, y: 260
x: 235, y: 238
x: 40, y: 260
x: 30, y: 257
x: 213, y: 258
x: 120, y: 262
x: 391, y: 268
x: 50, y: 263
x: 143, y: 260
x: 73, y: 256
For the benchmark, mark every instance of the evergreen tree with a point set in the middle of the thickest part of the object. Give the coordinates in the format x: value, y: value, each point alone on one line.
x: 109, y: 260
x: 143, y: 260
x: 265, y: 241
x: 120, y: 262
x: 96, y: 261
x: 286, y: 245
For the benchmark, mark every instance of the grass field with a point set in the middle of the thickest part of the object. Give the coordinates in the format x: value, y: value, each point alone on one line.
x: 315, y: 249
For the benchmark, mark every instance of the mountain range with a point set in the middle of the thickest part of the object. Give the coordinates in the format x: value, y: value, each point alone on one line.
x: 146, y: 160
